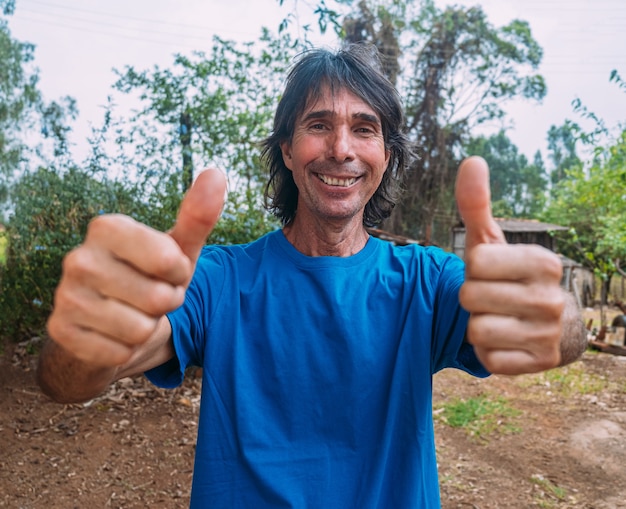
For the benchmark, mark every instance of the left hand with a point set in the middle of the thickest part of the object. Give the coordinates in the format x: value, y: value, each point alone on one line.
x: 512, y: 291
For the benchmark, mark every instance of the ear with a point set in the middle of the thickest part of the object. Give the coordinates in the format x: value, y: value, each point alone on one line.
x: 285, y: 147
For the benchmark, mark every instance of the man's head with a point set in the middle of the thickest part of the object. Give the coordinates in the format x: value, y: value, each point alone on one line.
x: 354, y: 69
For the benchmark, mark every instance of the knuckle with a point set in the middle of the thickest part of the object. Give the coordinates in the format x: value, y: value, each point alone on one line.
x: 476, y: 332
x: 467, y: 295
x: 160, y: 299
x: 548, y: 360
x: 546, y: 347
x: 141, y: 331
x: 170, y: 258
x: 98, y: 227
x: 68, y: 336
x: 67, y: 301
x: 106, y: 224
x: 57, y: 328
x: 549, y: 264
x: 553, y: 266
x: 78, y: 263
x: 549, y: 301
x: 473, y: 258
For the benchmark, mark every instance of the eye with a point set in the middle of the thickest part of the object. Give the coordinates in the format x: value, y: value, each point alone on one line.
x: 365, y: 131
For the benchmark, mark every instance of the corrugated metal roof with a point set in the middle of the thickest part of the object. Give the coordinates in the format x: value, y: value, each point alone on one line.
x: 523, y: 225
x: 527, y: 225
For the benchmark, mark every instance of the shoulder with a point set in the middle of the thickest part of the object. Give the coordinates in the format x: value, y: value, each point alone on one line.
x: 431, y: 257
x: 236, y: 258
x: 216, y: 252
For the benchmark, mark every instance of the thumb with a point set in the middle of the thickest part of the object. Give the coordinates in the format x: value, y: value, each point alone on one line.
x: 199, y: 211
x: 473, y: 198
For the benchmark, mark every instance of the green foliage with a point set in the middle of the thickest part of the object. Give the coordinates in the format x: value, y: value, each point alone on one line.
x: 518, y: 188
x: 18, y: 94
x: 3, y: 247
x: 51, y: 215
x: 206, y: 109
x: 550, y: 494
x: 326, y: 17
x: 562, y: 143
x: 571, y: 380
x: 480, y: 416
x: 455, y: 71
x: 23, y: 112
x: 7, y: 7
x: 590, y: 197
x: 593, y: 204
x: 243, y: 219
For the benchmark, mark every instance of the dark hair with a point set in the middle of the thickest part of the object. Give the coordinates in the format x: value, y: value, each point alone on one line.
x: 355, y: 68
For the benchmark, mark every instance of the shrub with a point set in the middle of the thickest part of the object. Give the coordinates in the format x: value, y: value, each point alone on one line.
x: 51, y: 215
x: 3, y: 246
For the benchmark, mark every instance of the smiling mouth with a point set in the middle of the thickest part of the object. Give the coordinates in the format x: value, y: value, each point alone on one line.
x: 337, y: 182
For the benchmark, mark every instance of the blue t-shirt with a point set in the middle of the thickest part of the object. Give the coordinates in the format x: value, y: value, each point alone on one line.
x: 317, y: 373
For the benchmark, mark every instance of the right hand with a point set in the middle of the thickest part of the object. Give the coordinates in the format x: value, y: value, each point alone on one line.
x: 125, y: 276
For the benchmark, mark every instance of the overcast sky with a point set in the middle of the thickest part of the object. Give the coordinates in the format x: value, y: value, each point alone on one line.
x: 79, y: 42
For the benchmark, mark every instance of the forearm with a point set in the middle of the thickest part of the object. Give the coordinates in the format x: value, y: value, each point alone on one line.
x: 574, y: 333
x: 66, y: 379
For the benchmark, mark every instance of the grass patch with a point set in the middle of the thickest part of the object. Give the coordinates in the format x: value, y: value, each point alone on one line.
x: 480, y: 417
x: 570, y: 380
x: 549, y: 493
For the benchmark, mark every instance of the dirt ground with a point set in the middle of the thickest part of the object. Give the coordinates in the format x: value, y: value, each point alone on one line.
x: 561, y: 445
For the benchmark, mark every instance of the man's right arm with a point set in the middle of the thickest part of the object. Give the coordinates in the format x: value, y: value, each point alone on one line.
x: 67, y: 379
x: 108, y: 319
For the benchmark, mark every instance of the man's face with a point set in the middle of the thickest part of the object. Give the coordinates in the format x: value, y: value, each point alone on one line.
x: 337, y: 157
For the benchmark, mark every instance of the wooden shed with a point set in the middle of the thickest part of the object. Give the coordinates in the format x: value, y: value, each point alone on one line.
x: 516, y: 231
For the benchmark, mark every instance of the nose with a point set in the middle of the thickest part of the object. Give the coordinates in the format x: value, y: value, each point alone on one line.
x: 341, y: 146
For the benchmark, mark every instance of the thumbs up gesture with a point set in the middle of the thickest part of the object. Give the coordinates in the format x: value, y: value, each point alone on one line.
x: 511, y: 291
x: 117, y: 285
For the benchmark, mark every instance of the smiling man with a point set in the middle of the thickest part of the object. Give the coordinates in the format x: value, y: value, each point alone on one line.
x: 337, y: 158
x: 318, y: 342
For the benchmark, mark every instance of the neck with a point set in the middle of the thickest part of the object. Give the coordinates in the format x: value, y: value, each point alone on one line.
x: 322, y: 238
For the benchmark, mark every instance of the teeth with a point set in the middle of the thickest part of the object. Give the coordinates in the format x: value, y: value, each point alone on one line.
x: 337, y: 182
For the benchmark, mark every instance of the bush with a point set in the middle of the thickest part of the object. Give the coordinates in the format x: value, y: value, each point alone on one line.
x: 50, y: 218
x: 3, y: 246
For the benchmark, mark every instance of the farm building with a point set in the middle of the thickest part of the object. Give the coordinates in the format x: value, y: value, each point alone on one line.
x: 576, y: 278
x: 516, y: 231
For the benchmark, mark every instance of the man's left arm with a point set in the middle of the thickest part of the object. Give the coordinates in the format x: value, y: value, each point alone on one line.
x: 521, y: 320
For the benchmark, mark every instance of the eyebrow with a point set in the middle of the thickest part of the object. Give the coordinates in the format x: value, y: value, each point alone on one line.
x: 366, y: 117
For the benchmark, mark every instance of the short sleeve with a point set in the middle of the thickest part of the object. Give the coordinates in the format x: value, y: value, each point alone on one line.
x: 191, y: 321
x: 450, y: 350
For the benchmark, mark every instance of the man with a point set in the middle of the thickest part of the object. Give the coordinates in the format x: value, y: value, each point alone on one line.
x: 317, y: 342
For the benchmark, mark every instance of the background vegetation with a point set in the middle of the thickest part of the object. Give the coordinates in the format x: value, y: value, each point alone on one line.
x: 453, y: 67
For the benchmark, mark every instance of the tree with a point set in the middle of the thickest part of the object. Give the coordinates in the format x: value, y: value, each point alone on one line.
x: 24, y: 115
x: 457, y: 72
x: 326, y: 18
x: 562, y: 142
x: 51, y: 213
x: 593, y: 204
x: 517, y: 187
x: 205, y: 109
x: 380, y: 28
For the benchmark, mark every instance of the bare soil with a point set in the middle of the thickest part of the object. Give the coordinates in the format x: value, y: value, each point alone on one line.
x: 133, y: 447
